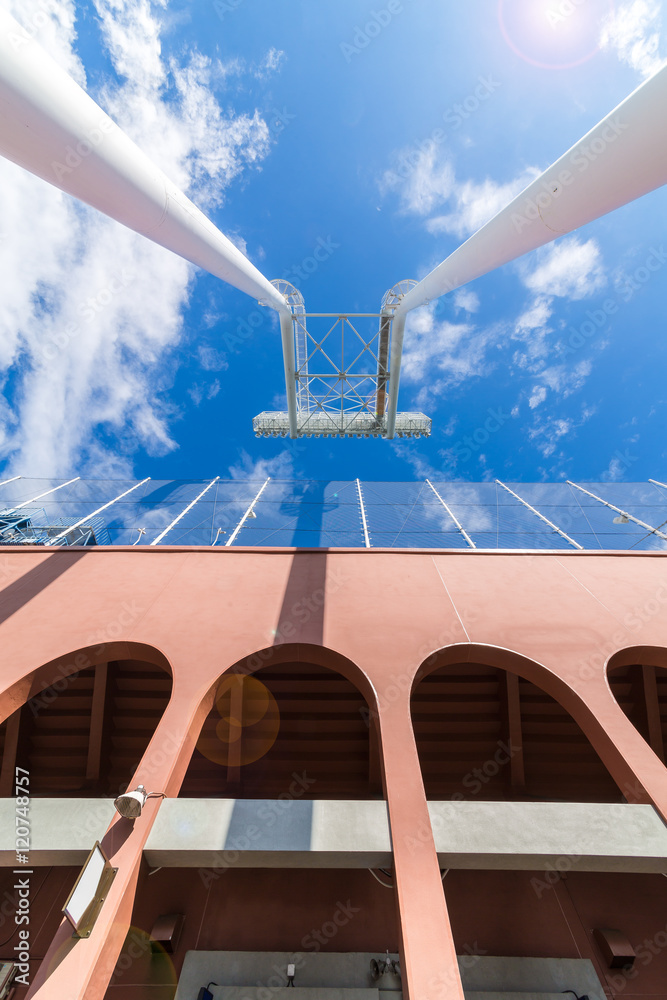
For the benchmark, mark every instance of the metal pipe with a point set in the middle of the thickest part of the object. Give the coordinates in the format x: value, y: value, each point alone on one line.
x: 364, y: 523
x: 4, y: 483
x: 397, y: 334
x: 633, y: 138
x: 248, y: 513
x: 618, y: 510
x: 51, y: 127
x: 453, y: 517
x: 26, y: 503
x: 96, y: 512
x: 654, y: 481
x: 184, y: 512
x: 541, y: 516
x: 383, y: 357
x: 289, y: 362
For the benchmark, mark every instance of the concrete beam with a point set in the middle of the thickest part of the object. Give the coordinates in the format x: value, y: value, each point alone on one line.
x: 300, y: 833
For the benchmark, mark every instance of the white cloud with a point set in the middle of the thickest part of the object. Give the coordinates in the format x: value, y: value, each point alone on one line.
x: 633, y: 32
x: 91, y: 314
x: 563, y: 380
x: 534, y: 317
x: 568, y: 269
x: 614, y: 472
x: 271, y: 63
x: 199, y: 391
x: 547, y: 434
x: 211, y: 359
x: 537, y: 396
x: 440, y: 355
x: 476, y: 203
x: 281, y: 466
x: 467, y: 300
x: 426, y: 181
x: 420, y: 179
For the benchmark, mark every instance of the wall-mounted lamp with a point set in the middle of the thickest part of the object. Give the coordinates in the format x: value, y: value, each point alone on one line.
x: 383, y: 966
x: 205, y: 993
x: 617, y: 951
x: 130, y: 804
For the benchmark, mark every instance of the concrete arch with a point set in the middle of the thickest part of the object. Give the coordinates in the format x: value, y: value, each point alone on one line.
x: 643, y: 710
x: 599, y: 727
x: 331, y: 669
x: 84, y: 681
x: 38, y: 678
x: 655, y: 655
x: 321, y: 656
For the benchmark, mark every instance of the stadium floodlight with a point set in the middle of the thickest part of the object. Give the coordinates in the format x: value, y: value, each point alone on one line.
x: 622, y: 158
x: 50, y: 126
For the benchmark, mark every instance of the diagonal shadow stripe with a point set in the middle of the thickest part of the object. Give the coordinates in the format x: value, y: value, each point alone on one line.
x: 17, y: 594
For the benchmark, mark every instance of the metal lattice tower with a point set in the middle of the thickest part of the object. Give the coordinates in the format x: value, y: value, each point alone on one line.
x: 340, y: 377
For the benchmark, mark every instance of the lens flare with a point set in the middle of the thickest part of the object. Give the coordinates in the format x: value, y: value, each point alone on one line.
x: 554, y: 34
x: 248, y: 724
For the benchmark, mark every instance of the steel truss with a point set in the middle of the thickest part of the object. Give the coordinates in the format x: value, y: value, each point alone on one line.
x: 338, y: 381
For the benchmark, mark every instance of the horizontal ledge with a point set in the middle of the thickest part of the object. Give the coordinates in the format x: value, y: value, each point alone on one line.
x: 218, y: 834
x: 278, y: 550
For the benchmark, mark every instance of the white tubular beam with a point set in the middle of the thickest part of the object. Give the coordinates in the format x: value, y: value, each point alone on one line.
x: 287, y: 337
x: 453, y: 517
x: 364, y: 523
x: 247, y: 514
x: 26, y: 503
x: 541, y: 516
x: 51, y: 127
x: 622, y: 158
x: 397, y: 334
x: 12, y: 480
x: 654, y: 481
x: 96, y: 512
x: 618, y: 510
x: 184, y: 512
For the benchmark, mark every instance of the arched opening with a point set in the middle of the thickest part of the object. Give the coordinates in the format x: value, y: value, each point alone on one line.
x: 289, y: 717
x: 485, y: 733
x: 536, y: 862
x: 84, y: 731
x: 638, y: 681
x: 275, y: 860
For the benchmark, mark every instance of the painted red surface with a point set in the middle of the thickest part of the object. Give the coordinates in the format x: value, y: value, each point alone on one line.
x: 382, y: 619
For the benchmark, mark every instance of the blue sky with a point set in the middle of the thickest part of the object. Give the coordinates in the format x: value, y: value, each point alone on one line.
x: 386, y: 133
